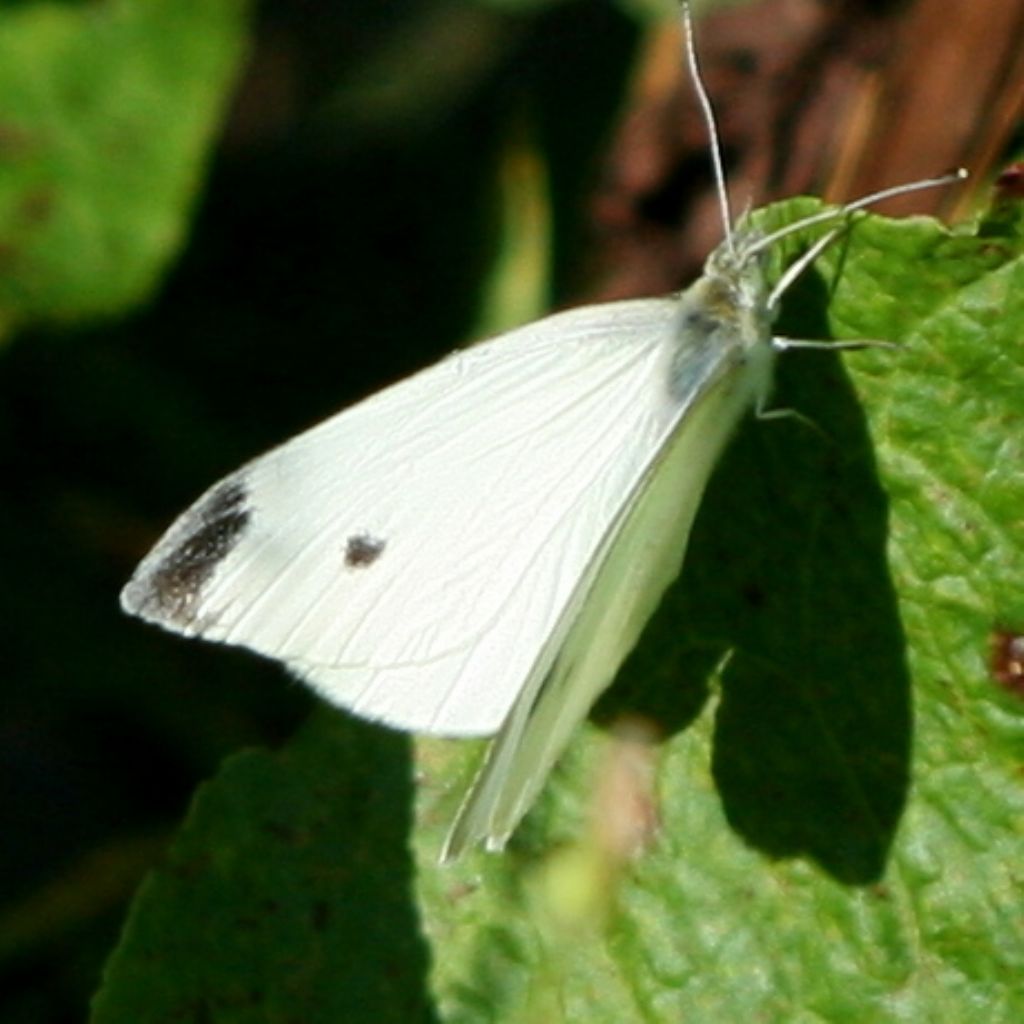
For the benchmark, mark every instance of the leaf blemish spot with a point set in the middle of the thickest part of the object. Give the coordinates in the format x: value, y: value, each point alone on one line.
x: 1006, y: 660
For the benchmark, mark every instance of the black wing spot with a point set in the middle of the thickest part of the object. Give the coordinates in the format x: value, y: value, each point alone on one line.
x: 362, y: 550
x: 208, y: 533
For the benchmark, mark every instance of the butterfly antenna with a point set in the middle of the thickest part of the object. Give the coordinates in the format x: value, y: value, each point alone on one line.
x: 858, y: 204
x: 712, y: 127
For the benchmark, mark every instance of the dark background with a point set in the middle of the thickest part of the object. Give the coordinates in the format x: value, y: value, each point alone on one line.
x: 330, y: 254
x: 341, y: 239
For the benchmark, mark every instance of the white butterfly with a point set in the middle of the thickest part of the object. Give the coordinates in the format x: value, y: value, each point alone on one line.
x: 476, y: 549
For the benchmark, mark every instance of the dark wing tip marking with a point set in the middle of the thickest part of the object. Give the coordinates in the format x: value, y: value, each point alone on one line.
x: 168, y: 584
x: 363, y: 549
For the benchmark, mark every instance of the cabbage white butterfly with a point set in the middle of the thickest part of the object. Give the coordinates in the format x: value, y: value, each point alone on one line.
x: 476, y: 549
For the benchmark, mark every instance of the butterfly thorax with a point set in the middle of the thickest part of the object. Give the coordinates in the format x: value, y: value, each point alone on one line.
x: 724, y: 321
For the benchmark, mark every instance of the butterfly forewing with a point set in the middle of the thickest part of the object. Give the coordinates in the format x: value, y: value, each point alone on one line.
x: 407, y: 555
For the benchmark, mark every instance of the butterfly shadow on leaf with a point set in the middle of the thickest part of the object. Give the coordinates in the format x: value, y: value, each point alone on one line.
x: 787, y: 573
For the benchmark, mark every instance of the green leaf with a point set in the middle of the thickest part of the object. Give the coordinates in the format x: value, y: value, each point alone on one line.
x: 286, y: 897
x: 109, y: 110
x: 838, y: 782
x: 841, y: 805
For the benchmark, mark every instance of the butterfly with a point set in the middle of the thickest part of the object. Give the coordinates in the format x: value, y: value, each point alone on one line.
x: 475, y: 550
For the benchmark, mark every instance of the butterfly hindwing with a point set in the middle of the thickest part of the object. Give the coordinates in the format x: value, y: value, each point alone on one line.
x: 640, y: 554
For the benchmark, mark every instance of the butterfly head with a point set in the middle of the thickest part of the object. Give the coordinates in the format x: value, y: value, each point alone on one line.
x: 735, y: 279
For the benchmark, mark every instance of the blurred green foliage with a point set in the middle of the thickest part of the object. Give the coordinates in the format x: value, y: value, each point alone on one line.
x: 109, y: 110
